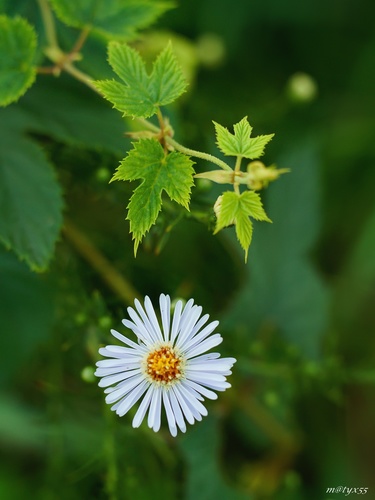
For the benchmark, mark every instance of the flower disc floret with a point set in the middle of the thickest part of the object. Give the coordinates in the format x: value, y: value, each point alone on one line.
x: 167, y: 367
x: 164, y: 365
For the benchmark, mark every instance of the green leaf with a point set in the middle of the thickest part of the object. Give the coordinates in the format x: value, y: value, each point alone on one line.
x: 112, y: 18
x: 30, y: 200
x: 17, y: 48
x: 172, y: 173
x: 236, y: 209
x: 142, y: 94
x: 240, y: 143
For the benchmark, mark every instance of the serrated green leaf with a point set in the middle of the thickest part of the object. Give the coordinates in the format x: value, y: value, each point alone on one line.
x: 240, y: 143
x: 236, y: 209
x: 142, y: 94
x: 244, y: 231
x: 112, y: 18
x: 17, y: 48
x: 30, y: 200
x: 252, y: 205
x: 172, y: 173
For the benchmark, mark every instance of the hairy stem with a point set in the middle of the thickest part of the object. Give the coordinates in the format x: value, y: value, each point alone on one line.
x: 100, y: 263
x: 237, y: 168
x: 81, y: 76
x: 197, y: 154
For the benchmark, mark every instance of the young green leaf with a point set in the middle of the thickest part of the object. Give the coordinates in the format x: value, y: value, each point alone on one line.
x: 172, y: 173
x: 141, y: 94
x: 234, y: 208
x: 240, y: 143
x: 119, y: 19
x: 17, y: 48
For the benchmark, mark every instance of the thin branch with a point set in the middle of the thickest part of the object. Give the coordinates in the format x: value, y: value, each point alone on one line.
x: 48, y: 22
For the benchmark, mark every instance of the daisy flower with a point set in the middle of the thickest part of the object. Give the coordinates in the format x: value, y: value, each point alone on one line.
x: 166, y: 367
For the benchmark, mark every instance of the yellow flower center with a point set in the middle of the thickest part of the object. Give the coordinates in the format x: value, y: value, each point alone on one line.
x: 164, y: 365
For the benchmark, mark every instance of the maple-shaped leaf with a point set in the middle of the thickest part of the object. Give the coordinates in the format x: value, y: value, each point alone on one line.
x: 140, y: 94
x: 233, y: 208
x: 240, y: 143
x: 172, y: 173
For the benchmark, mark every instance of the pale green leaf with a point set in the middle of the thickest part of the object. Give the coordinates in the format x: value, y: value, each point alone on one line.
x: 252, y: 205
x: 227, y: 210
x: 240, y: 143
x: 244, y: 231
x: 141, y: 94
x: 172, y: 173
x: 17, y: 48
x: 236, y: 209
x: 30, y: 200
x: 112, y: 18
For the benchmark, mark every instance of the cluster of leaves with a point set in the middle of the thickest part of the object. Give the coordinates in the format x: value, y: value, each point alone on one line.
x: 162, y: 168
x: 162, y: 164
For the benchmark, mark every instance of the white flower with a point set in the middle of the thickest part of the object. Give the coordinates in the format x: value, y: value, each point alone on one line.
x: 166, y: 367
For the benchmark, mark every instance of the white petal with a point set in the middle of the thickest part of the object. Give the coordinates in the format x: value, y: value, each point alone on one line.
x: 201, y: 335
x: 188, y: 325
x: 193, y: 409
x: 143, y: 328
x: 113, y: 379
x: 181, y: 399
x: 186, y: 314
x: 203, y: 377
x: 204, y: 346
x: 170, y: 414
x: 206, y: 360
x: 109, y: 352
x: 131, y: 398
x: 146, y: 322
x: 195, y: 329
x: 189, y: 393
x: 126, y: 363
x: 154, y: 415
x: 176, y: 320
x: 139, y: 331
x: 199, y: 388
x: 124, y: 339
x: 217, y: 386
x: 141, y: 412
x: 104, y: 372
x: 153, y: 319
x: 123, y: 388
x: 177, y: 411
x: 165, y: 311
x: 204, y: 357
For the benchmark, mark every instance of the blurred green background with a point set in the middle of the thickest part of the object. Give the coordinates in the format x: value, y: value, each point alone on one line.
x: 299, y: 317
